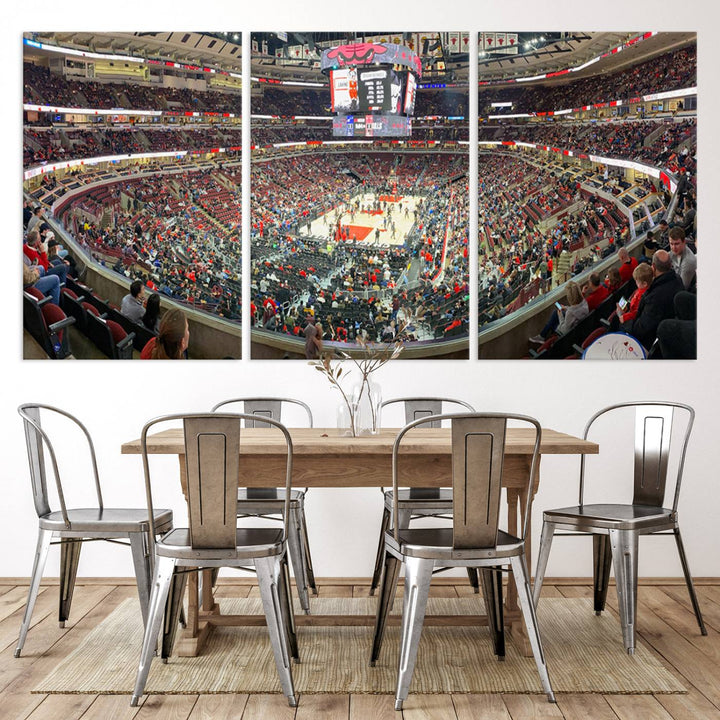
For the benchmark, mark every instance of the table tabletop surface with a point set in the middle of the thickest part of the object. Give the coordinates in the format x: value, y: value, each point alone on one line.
x: 328, y: 441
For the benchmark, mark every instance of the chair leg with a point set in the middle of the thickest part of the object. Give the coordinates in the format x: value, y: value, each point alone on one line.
x: 546, y: 538
x: 418, y: 574
x: 385, y: 602
x: 624, y: 544
x: 286, y: 608
x: 164, y: 571
x: 602, y: 561
x: 689, y: 581
x: 296, y: 557
x: 522, y: 582
x: 41, y: 553
x: 69, y: 559
x: 268, y: 574
x: 379, y: 558
x: 173, y: 607
x: 307, y: 558
x: 143, y: 570
x: 493, y: 597
x: 472, y: 574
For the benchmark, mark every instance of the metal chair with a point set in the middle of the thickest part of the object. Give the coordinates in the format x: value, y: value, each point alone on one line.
x: 71, y: 527
x: 268, y: 502
x: 213, y: 540
x: 417, y: 502
x: 474, y: 540
x: 616, y: 528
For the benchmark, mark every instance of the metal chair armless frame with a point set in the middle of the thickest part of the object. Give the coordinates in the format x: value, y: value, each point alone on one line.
x: 616, y: 528
x: 474, y: 540
x: 71, y: 527
x: 213, y: 539
x: 267, y: 502
x: 417, y: 502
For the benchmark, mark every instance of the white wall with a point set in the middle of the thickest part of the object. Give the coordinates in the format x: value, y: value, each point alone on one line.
x: 116, y: 399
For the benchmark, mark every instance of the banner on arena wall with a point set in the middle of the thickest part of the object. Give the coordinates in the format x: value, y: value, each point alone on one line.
x: 371, y: 54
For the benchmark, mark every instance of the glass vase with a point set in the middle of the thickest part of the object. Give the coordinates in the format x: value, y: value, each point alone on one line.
x: 368, y: 399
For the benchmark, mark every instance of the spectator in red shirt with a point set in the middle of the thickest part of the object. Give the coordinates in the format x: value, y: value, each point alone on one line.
x: 594, y: 292
x: 627, y: 265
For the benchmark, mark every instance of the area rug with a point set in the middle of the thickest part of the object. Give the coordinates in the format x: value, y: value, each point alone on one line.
x: 584, y: 654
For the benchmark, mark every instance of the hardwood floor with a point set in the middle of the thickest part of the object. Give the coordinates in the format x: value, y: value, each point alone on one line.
x: 665, y: 623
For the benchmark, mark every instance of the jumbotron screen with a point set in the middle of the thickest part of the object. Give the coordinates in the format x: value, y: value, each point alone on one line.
x: 372, y: 126
x: 366, y: 90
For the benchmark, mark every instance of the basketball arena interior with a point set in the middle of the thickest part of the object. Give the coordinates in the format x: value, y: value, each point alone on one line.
x: 461, y: 203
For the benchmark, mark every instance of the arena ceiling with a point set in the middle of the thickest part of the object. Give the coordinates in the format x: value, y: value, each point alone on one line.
x: 547, y: 52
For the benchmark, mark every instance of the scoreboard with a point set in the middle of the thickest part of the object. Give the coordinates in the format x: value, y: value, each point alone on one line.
x: 367, y: 126
x: 372, y: 89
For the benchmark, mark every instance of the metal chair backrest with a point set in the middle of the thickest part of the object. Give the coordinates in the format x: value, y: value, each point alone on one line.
x: 421, y: 407
x: 212, y: 463
x: 265, y: 408
x: 653, y: 434
x: 37, y: 442
x: 478, y: 448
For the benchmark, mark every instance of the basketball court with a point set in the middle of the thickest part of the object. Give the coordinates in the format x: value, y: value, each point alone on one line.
x: 363, y: 221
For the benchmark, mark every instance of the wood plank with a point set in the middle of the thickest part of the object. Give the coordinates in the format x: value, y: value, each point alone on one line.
x: 267, y: 707
x: 480, y: 707
x: 632, y: 707
x: 585, y: 707
x: 692, y: 705
x: 116, y: 707
x: 331, y: 707
x: 218, y: 707
x: 377, y: 707
x: 13, y: 599
x: 529, y: 707
x: 167, y: 707
x: 709, y: 608
x: 62, y: 707
x: 46, y: 603
x: 232, y: 591
x: 324, y: 441
x: 334, y: 591
x: 48, y: 645
x: 429, y: 707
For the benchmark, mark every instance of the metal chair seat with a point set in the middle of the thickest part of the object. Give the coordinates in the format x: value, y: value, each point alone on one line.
x: 437, y: 544
x: 249, y: 543
x: 266, y: 501
x: 617, y: 517
x: 421, y: 501
x: 73, y: 526
x: 105, y: 520
x: 616, y: 528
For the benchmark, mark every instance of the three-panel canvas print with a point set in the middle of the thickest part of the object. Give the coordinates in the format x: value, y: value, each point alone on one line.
x: 407, y: 192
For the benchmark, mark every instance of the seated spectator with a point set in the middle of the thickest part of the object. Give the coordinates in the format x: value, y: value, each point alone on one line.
x: 657, y: 304
x: 48, y: 285
x: 650, y: 245
x: 683, y: 259
x: 566, y: 317
x: 35, y: 250
x: 594, y: 292
x: 613, y: 281
x: 313, y: 341
x: 172, y: 340
x: 151, y: 318
x: 677, y: 337
x: 133, y: 304
x: 643, y: 276
x: 627, y: 265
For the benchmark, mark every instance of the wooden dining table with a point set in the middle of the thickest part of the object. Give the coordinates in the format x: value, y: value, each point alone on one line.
x: 322, y: 457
